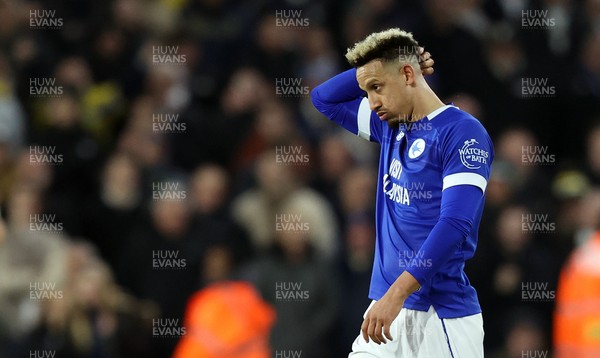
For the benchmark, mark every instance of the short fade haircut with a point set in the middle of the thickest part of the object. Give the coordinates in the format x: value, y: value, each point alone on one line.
x: 389, y: 45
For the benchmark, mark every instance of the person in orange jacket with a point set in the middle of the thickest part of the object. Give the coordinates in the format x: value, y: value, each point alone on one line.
x: 227, y: 319
x: 577, y: 315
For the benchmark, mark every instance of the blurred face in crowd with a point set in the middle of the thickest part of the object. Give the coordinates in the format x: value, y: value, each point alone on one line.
x: 510, y: 147
x: 357, y: 190
x: 270, y: 38
x: 274, y: 122
x: 75, y: 72
x: 389, y: 88
x: 63, y: 111
x: 505, y: 59
x: 522, y: 338
x: 335, y: 158
x: 275, y: 179
x: 120, y: 172
x: 217, y: 264
x: 587, y: 214
x: 37, y: 176
x: 591, y: 53
x: 510, y: 229
x: 145, y: 147
x: 89, y: 275
x: 23, y: 202
x: 170, y: 218
x: 500, y: 188
x: 593, y: 149
x: 209, y: 188
x: 294, y: 245
x: 120, y: 181
x: 5, y: 157
x: 360, y: 237
x: 246, y: 89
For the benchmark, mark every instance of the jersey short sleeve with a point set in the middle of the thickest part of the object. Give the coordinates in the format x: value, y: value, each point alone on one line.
x: 369, y: 125
x: 467, y: 154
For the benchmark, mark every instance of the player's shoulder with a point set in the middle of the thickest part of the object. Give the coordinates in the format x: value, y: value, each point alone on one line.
x: 456, y: 121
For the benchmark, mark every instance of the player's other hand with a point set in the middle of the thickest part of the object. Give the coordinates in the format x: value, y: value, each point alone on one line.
x: 379, y: 318
x: 425, y: 61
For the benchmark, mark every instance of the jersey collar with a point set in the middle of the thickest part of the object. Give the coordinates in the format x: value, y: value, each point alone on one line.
x: 433, y: 114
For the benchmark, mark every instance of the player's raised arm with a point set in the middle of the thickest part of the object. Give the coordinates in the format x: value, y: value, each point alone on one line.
x: 341, y: 100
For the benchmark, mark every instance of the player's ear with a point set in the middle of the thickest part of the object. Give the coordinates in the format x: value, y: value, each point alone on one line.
x: 408, y: 74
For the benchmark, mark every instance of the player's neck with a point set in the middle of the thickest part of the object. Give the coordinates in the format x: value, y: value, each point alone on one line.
x: 425, y: 102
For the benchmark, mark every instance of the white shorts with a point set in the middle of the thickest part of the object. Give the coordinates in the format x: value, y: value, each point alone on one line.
x: 418, y: 334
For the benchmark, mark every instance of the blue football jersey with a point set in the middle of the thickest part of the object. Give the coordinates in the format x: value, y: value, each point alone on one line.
x: 418, y: 161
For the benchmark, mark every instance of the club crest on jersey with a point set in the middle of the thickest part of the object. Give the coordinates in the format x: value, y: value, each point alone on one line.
x: 471, y: 156
x: 416, y: 149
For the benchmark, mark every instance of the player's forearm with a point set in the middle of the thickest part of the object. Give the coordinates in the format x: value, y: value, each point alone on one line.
x: 339, y: 99
x: 338, y: 89
x: 404, y: 286
x: 435, y: 251
x: 459, y: 207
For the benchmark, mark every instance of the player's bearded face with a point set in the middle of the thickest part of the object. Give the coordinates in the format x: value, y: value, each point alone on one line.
x: 388, y: 94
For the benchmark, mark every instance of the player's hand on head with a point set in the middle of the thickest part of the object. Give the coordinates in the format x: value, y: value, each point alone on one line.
x: 426, y: 61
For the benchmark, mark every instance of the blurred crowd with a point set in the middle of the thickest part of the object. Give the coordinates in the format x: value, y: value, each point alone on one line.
x: 234, y: 196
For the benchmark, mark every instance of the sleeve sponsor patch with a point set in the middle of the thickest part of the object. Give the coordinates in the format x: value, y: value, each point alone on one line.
x: 472, y: 156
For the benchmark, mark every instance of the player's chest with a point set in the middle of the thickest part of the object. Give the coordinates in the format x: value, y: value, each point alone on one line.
x: 411, y: 155
x: 411, y: 170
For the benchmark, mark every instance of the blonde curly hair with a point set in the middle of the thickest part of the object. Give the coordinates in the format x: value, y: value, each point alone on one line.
x: 387, y: 45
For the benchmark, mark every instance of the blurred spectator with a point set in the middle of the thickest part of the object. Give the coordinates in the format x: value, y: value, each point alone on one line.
x: 210, y: 185
x: 335, y: 162
x: 209, y: 203
x: 274, y: 128
x: 506, y: 64
x: 27, y: 174
x: 248, y: 318
x: 280, y: 200
x: 224, y: 28
x: 502, y: 268
x: 355, y: 269
x: 525, y: 337
x: 519, y: 148
x: 303, y: 289
x: 27, y: 257
x: 500, y: 193
x: 320, y: 61
x: 575, y: 211
x: 12, y: 116
x: 116, y: 208
x: 577, y: 314
x: 101, y: 103
x: 223, y: 129
x: 593, y: 154
x: 587, y: 80
x: 356, y: 191
x: 7, y: 170
x: 147, y: 148
x: 469, y: 104
x: 91, y: 316
x: 276, y: 53
x: 71, y: 153
x: 160, y: 262
x: 587, y: 218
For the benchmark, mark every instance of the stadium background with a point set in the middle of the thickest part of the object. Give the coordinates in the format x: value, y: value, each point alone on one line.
x: 151, y: 148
